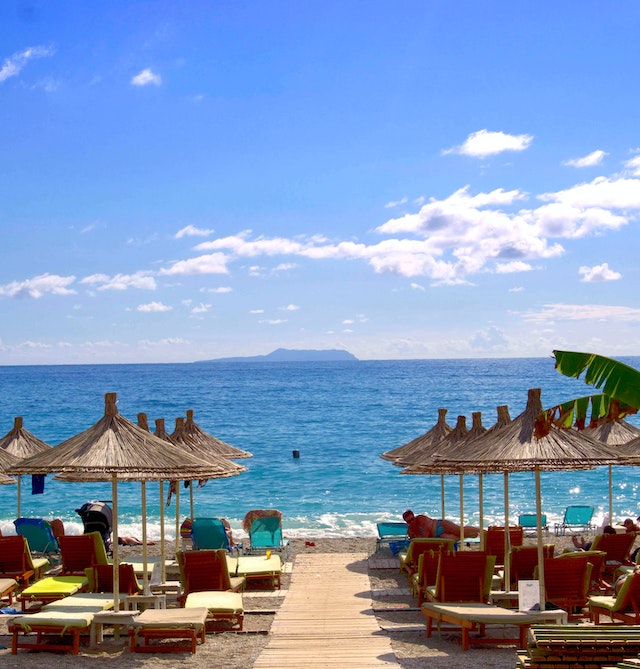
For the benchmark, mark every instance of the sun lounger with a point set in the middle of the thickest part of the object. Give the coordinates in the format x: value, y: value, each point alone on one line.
x: 576, y: 517
x: 529, y: 523
x: 259, y: 567
x: 391, y: 531
x: 225, y: 607
x: 7, y: 588
x: 475, y: 616
x: 52, y: 588
x: 17, y: 562
x: 264, y: 527
x: 162, y: 624
x: 625, y: 606
x: 80, y: 551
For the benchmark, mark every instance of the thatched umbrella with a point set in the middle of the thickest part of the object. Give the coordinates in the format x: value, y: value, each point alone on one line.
x: 522, y: 446
x: 6, y: 480
x: 209, y: 443
x: 22, y: 444
x: 420, y: 446
x: 116, y: 449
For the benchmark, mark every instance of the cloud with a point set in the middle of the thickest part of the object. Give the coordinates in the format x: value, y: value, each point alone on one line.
x: 417, y: 286
x: 13, y: 65
x: 598, y: 273
x: 274, y: 321
x: 397, y: 203
x: 602, y: 192
x: 153, y: 308
x: 256, y: 311
x: 290, y: 307
x: 590, y: 160
x: 169, y: 341
x: 485, y: 143
x: 142, y: 280
x: 39, y: 286
x: 582, y: 312
x: 221, y: 290
x: 634, y: 165
x: 212, y: 263
x: 201, y: 308
x: 192, y: 231
x: 146, y: 78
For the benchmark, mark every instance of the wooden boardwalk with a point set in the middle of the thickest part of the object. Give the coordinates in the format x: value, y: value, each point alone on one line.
x: 326, y: 620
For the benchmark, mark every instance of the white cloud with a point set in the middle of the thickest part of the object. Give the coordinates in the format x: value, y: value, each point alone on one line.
x: 417, y: 286
x: 145, y: 78
x: 39, y: 286
x: 602, y: 192
x: 284, y: 267
x: 598, y: 273
x: 348, y: 321
x: 13, y: 65
x: 256, y: 311
x: 516, y: 289
x: 201, y: 308
x: 153, y: 308
x: 142, y: 280
x: 169, y: 341
x: 274, y: 321
x: 397, y: 203
x: 485, y: 143
x: 290, y: 307
x: 582, y: 312
x: 634, y: 165
x: 590, y: 160
x: 515, y: 266
x: 221, y: 290
x: 212, y: 263
x: 192, y: 231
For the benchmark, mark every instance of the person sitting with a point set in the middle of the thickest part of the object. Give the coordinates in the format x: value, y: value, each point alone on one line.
x: 631, y: 526
x: 423, y: 526
x: 582, y: 545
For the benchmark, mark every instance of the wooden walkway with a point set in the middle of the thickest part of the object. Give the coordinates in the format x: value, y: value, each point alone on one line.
x: 326, y: 620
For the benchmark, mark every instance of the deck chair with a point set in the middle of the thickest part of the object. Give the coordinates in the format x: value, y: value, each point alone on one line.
x: 596, y: 559
x: 529, y: 523
x: 524, y: 560
x: 617, y: 548
x: 81, y: 551
x: 7, y: 588
x: 576, y: 517
x: 101, y: 579
x: 264, y: 528
x: 427, y: 572
x: 209, y: 534
x: 463, y: 576
x: 409, y: 559
x: 207, y: 583
x: 17, y: 562
x: 494, y: 541
x: 625, y: 606
x: 567, y: 583
x: 390, y: 531
x: 39, y: 533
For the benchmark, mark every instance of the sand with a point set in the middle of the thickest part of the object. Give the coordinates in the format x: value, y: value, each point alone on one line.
x: 396, y: 611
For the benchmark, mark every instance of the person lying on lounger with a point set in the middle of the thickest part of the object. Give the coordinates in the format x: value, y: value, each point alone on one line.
x: 423, y: 526
x: 132, y: 541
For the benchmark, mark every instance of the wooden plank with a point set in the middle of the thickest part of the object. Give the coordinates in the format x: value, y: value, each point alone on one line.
x: 324, y: 621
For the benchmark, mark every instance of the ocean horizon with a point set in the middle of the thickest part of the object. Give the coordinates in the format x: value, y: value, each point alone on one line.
x: 338, y: 416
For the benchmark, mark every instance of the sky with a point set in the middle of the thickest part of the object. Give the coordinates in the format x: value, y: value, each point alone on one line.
x: 190, y: 180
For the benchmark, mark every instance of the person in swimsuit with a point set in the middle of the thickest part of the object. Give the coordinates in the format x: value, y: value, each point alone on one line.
x: 423, y: 526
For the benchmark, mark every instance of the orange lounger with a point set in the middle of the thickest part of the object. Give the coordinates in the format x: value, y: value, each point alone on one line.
x: 162, y: 624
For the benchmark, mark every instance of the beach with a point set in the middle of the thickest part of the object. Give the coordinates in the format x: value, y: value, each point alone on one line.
x: 396, y: 612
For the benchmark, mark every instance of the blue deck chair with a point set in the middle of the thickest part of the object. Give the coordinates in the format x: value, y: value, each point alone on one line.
x: 266, y: 534
x: 528, y: 522
x: 39, y: 536
x: 391, y: 531
x: 210, y: 534
x: 576, y: 517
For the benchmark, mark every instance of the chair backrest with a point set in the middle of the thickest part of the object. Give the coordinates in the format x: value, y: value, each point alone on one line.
x: 266, y: 532
x: 578, y: 514
x: 38, y: 533
x: 421, y: 545
x: 208, y: 534
x: 524, y: 560
x: 15, y: 557
x: 428, y: 561
x: 567, y: 581
x: 530, y: 520
x: 616, y: 546
x: 494, y: 540
x: 597, y: 561
x: 390, y: 530
x: 464, y: 576
x: 127, y: 581
x: 57, y: 527
x: 80, y: 551
x: 204, y: 570
x: 628, y: 597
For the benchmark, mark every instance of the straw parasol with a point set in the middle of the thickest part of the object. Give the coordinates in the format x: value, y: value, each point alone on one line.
x: 412, y: 451
x: 22, y: 444
x: 116, y: 449
x: 519, y: 447
x: 6, y: 480
x: 209, y: 443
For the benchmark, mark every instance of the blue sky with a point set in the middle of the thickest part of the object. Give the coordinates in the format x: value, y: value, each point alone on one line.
x: 192, y: 180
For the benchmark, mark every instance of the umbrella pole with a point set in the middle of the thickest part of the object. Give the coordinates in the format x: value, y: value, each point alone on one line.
x: 442, y: 515
x: 114, y: 544
x: 145, y: 574
x: 19, y: 488
x: 191, y: 501
x: 610, y: 494
x: 163, y: 567
x: 540, y: 549
x: 461, y: 512
x: 481, y: 504
x: 177, y: 518
x: 507, y: 535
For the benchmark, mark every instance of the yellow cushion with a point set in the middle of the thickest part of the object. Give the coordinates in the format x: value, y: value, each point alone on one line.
x: 55, y: 585
x: 215, y: 601
x: 258, y: 564
x: 64, y: 619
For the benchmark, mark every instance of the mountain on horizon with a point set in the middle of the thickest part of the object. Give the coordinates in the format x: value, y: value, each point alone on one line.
x: 293, y: 355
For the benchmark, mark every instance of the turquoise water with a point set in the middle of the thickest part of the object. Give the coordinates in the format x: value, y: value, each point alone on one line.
x: 339, y: 416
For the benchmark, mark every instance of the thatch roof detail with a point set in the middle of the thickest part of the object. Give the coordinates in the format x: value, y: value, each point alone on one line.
x: 6, y: 480
x: 613, y: 432
x: 20, y: 442
x: 421, y: 446
x: 210, y: 444
x: 115, y: 446
x: 7, y: 460
x: 515, y: 447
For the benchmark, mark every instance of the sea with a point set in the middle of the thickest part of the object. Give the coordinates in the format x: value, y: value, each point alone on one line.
x: 316, y: 431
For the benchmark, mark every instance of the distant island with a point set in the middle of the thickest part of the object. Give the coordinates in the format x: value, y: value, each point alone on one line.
x: 293, y: 355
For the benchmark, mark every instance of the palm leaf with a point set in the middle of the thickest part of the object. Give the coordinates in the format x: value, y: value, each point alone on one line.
x: 616, y: 379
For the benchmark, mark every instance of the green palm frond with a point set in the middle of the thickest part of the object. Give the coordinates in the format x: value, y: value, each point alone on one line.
x: 612, y: 377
